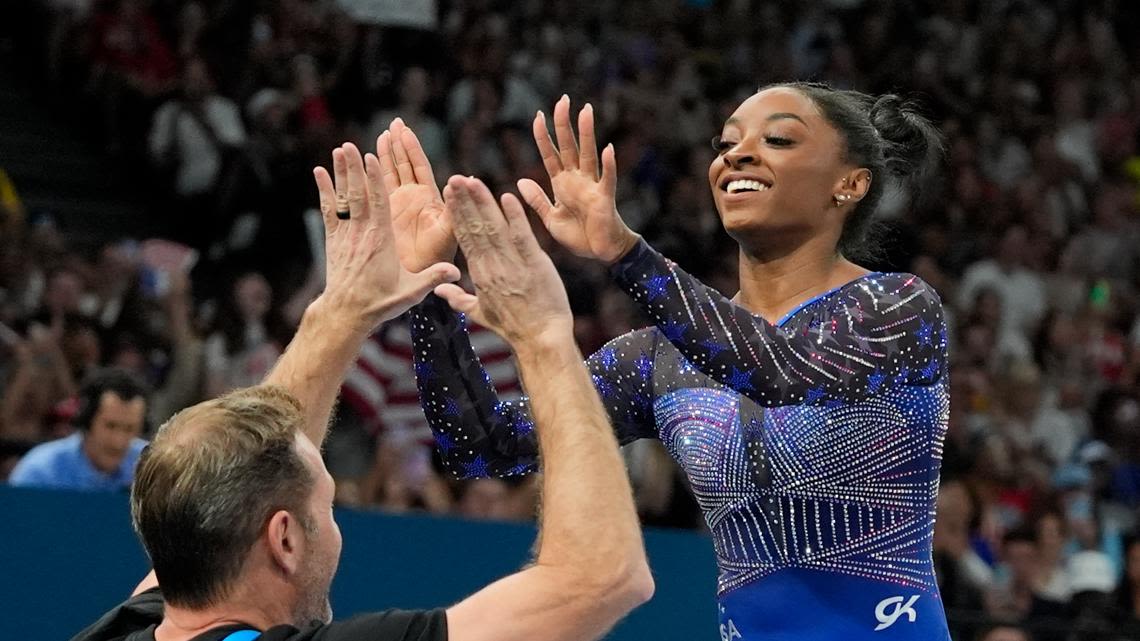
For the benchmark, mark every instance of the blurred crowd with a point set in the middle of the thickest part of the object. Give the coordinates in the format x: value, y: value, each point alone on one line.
x: 1032, y: 237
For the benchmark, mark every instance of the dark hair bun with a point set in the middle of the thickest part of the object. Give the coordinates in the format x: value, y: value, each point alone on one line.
x: 913, y: 146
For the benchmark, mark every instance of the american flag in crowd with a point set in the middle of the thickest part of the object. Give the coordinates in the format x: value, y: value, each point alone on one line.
x: 381, y: 386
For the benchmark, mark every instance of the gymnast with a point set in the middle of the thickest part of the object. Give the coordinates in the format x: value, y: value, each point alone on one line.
x: 808, y: 412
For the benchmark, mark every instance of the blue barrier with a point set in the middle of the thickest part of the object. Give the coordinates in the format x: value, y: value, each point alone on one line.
x: 65, y: 558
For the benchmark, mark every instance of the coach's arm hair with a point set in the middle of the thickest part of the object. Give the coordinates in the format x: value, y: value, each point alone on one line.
x: 591, y: 568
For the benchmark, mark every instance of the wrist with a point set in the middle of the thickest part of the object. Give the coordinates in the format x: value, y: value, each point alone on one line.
x: 324, y: 315
x: 549, y: 346
x: 627, y: 241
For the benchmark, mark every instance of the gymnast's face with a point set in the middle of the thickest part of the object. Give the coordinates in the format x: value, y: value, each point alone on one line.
x: 777, y: 169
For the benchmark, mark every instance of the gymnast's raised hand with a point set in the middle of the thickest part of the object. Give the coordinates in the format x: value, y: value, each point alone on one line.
x: 423, y: 229
x: 583, y: 216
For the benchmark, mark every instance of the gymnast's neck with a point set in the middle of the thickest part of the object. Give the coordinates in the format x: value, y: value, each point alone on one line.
x: 778, y: 276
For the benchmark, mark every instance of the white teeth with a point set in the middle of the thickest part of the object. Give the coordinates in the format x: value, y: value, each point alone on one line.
x: 736, y: 186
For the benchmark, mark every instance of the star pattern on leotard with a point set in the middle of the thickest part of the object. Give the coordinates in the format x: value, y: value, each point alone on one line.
x: 925, y: 333
x: 521, y: 424
x: 656, y: 287
x: 451, y: 407
x: 605, y: 388
x: 741, y: 380
x: 443, y: 441
x: 608, y: 357
x: 931, y: 371
x: 424, y: 369
x: 714, y: 347
x: 875, y: 380
x: 475, y: 469
x: 644, y: 365
x: 675, y: 331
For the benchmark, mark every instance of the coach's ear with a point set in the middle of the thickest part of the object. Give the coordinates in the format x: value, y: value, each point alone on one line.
x: 285, y: 539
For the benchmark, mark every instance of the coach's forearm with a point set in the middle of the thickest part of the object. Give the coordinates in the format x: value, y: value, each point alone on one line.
x: 589, y: 524
x: 316, y: 362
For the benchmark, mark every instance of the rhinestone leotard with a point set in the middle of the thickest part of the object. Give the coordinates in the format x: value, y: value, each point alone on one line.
x: 813, y: 446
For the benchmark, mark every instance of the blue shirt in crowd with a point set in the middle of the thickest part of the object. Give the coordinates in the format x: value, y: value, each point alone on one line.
x: 61, y: 464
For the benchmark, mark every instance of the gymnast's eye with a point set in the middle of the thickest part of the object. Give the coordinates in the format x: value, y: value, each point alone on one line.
x: 777, y: 141
x: 720, y: 145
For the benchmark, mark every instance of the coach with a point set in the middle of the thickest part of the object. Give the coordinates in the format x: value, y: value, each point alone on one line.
x: 234, y: 505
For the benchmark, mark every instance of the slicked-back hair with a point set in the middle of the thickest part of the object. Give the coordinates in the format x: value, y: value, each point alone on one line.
x: 208, y: 483
x: 887, y: 135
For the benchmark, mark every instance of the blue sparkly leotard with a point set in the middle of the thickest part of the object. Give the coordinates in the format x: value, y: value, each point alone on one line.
x: 813, y: 446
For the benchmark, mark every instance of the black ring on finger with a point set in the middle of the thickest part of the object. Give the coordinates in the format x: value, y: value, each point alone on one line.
x: 343, y: 215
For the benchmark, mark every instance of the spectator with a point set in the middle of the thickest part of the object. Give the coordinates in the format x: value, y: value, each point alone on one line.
x: 402, y: 478
x: 1017, y: 595
x: 1020, y: 291
x: 42, y: 377
x: 1093, y: 581
x: 963, y: 576
x: 244, y: 347
x: 1056, y: 582
x: 102, y: 454
x: 132, y: 65
x: 195, y: 136
x: 415, y: 89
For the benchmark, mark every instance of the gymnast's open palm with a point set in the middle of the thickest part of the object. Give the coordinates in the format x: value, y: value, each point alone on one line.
x: 583, y: 217
x: 422, y: 227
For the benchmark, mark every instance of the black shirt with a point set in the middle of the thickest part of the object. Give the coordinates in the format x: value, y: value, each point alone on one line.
x: 136, y: 618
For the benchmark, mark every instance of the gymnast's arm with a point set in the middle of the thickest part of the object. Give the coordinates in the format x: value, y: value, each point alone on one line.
x: 879, y: 332
x: 479, y: 435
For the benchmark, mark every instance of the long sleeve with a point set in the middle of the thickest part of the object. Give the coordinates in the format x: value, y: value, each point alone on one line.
x: 477, y: 434
x: 875, y: 332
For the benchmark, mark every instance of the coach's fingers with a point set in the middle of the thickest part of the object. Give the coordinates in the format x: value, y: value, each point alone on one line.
x: 327, y: 198
x: 358, y: 205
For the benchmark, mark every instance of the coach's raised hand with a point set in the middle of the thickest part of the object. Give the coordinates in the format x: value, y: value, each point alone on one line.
x: 518, y: 293
x: 366, y: 283
x: 590, y: 568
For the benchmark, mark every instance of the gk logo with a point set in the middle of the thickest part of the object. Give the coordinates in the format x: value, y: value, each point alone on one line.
x: 887, y: 620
